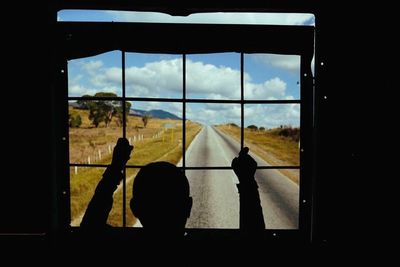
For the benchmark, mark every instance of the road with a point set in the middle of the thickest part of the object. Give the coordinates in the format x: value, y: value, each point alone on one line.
x: 214, y: 192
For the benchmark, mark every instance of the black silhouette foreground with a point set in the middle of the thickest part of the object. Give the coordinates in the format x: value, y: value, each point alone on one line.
x: 161, y: 195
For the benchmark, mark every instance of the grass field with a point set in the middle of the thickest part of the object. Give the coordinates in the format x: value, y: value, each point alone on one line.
x: 270, y: 146
x: 153, y: 143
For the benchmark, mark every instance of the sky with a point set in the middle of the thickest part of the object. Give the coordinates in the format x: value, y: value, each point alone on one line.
x: 208, y: 76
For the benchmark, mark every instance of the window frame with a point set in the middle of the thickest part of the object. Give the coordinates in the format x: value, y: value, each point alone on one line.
x: 69, y: 49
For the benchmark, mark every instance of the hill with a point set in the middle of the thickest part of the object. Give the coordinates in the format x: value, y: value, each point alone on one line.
x: 155, y: 113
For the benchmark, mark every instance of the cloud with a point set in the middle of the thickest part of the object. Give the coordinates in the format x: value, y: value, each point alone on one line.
x: 271, y: 89
x: 214, y: 113
x: 285, y: 62
x: 161, y: 78
x: 79, y: 90
x: 218, y: 18
x: 268, y: 116
x: 271, y: 116
x: 91, y: 66
x: 212, y: 81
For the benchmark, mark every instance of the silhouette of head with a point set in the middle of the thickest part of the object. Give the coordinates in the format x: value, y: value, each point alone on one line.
x: 160, y: 198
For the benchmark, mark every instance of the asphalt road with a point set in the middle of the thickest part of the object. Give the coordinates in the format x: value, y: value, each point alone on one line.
x: 214, y: 192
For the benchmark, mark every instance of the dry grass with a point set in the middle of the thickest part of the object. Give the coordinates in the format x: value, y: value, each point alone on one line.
x: 87, y: 141
x: 158, y: 150
x: 274, y: 149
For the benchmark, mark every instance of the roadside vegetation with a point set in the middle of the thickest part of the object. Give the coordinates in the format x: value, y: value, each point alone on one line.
x: 277, y: 146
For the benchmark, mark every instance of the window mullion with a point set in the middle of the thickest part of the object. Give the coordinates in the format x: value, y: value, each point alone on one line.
x: 124, y: 135
x: 184, y: 112
x: 241, y: 100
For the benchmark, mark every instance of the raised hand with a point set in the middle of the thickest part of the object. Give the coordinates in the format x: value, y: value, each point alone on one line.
x: 244, y: 166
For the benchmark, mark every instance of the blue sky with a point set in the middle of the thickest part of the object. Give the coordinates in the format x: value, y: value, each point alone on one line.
x: 221, y: 18
x: 208, y: 76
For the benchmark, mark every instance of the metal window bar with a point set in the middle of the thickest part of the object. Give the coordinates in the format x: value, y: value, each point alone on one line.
x: 186, y: 167
x: 124, y: 135
x: 241, y: 101
x: 184, y: 113
x: 188, y: 100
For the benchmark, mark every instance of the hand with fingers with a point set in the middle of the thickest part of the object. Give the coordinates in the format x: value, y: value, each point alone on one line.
x: 244, y: 167
x: 121, y: 153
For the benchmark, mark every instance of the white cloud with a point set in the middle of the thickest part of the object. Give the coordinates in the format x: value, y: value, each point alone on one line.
x: 272, y: 89
x: 271, y: 116
x: 161, y: 78
x: 285, y: 62
x: 218, y: 18
x: 212, y: 81
x: 79, y: 90
x: 92, y: 66
x: 213, y: 113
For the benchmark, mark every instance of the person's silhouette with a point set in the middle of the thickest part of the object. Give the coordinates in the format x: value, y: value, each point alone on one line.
x: 101, y: 203
x: 160, y: 199
x: 161, y: 195
x: 251, y: 215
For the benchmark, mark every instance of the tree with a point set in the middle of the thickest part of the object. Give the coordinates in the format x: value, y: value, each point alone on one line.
x: 119, y: 111
x: 84, y: 104
x: 145, y: 119
x: 101, y: 110
x: 262, y: 129
x: 107, y: 107
x: 252, y: 127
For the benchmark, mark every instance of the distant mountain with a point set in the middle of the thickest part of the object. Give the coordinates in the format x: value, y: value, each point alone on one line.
x: 155, y: 113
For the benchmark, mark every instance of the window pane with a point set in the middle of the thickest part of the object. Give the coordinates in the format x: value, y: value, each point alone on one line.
x: 272, y: 132
x: 153, y: 75
x: 279, y: 197
x: 213, y: 76
x: 83, y: 183
x: 92, y: 75
x: 94, y: 128
x: 155, y: 130
x: 215, y: 199
x: 271, y: 77
x: 211, y: 146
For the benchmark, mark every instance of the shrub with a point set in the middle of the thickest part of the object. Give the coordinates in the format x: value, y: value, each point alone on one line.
x: 290, y: 132
x: 75, y: 121
x: 252, y: 127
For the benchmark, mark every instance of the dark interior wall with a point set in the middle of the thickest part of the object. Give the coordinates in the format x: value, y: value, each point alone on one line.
x: 26, y: 190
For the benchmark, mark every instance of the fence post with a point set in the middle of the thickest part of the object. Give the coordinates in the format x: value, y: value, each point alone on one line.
x: 88, y: 159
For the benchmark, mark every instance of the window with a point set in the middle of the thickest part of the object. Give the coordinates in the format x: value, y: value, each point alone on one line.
x: 194, y: 104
